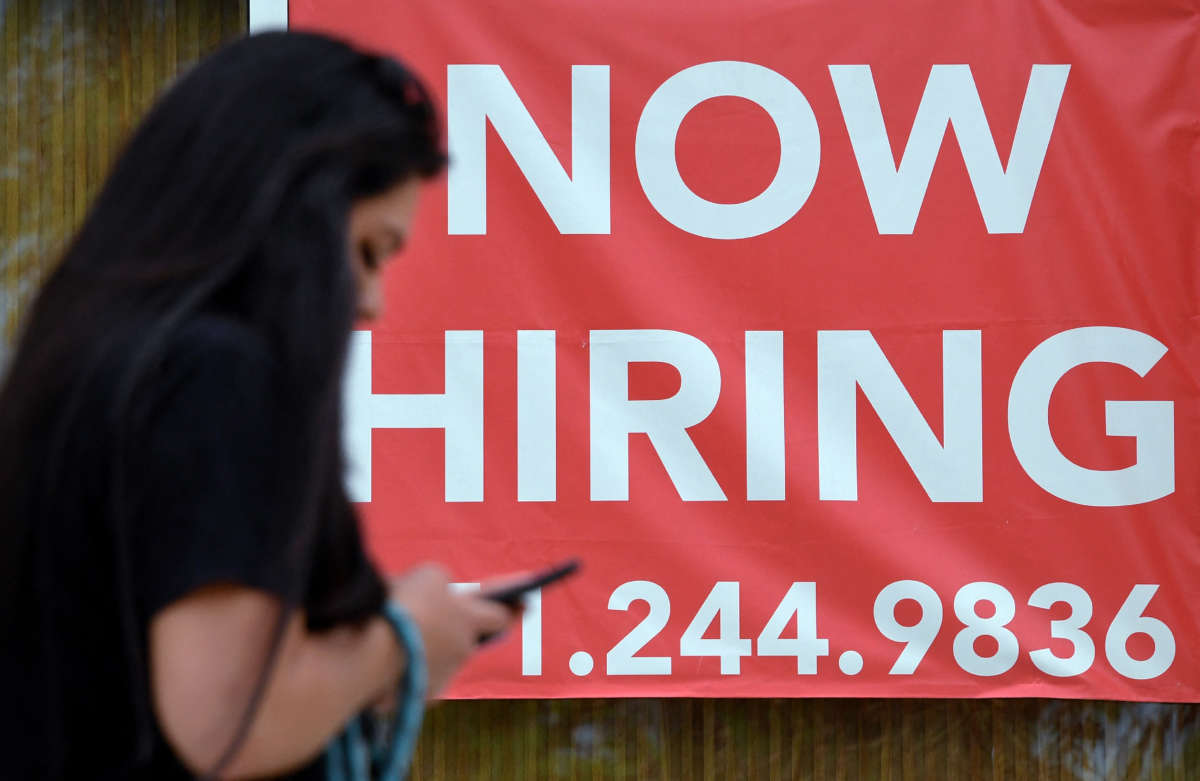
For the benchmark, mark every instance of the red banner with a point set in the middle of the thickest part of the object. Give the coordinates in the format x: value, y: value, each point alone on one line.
x: 851, y: 345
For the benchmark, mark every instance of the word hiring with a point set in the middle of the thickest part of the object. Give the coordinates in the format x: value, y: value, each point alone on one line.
x: 579, y: 203
x: 949, y: 471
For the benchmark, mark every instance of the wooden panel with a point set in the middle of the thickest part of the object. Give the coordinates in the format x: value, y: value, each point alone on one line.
x: 897, y: 740
x: 77, y: 75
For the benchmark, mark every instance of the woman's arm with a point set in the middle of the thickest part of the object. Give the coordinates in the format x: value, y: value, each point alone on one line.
x: 207, y: 651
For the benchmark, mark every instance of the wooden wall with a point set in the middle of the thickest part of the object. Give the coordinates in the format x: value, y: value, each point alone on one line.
x: 77, y: 75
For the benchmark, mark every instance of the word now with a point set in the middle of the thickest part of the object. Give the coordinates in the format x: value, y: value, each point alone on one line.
x: 579, y: 203
x: 949, y: 471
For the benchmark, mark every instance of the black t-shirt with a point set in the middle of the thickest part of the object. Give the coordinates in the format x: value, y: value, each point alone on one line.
x: 210, y: 504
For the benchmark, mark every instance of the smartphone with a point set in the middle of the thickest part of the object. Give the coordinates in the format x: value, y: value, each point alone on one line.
x: 511, y: 594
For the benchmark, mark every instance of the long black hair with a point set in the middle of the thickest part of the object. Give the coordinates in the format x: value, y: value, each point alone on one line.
x: 231, y: 198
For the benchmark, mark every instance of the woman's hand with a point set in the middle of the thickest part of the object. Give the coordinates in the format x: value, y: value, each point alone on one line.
x: 451, y: 623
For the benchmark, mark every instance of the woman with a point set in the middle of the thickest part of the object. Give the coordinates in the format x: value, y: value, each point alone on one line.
x: 185, y: 590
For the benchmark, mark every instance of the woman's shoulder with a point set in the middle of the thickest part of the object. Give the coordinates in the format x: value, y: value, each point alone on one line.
x: 212, y: 358
x: 213, y: 337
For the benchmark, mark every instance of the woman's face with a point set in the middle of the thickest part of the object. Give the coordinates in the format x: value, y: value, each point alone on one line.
x: 379, y: 226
